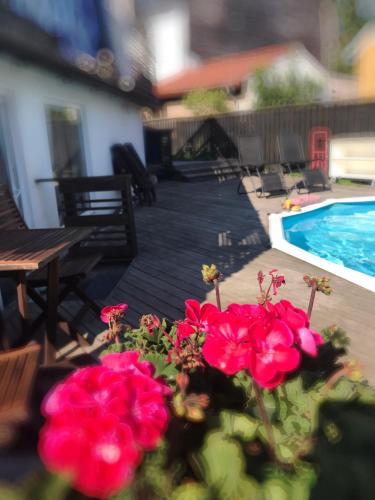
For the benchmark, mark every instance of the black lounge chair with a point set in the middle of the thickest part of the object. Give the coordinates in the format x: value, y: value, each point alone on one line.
x: 250, y: 159
x: 292, y: 158
x: 272, y: 181
x: 125, y: 160
x: 313, y: 180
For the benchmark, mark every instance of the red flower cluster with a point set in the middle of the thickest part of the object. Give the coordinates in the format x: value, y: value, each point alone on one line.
x: 100, y: 420
x: 266, y: 340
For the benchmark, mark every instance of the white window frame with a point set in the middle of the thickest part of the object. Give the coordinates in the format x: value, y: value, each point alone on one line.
x: 64, y: 103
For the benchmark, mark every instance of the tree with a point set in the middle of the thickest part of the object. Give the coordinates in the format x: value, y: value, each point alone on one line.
x: 288, y: 90
x: 206, y: 102
x: 350, y: 25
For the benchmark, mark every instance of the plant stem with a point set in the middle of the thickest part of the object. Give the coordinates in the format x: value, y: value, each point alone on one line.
x: 168, y: 337
x: 266, y: 421
x: 217, y: 292
x: 311, y: 301
x: 333, y: 379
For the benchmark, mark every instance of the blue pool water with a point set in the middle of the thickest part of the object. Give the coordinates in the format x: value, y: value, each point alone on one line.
x: 343, y: 233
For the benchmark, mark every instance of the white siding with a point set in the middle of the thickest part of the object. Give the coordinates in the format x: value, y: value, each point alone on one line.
x: 105, y: 120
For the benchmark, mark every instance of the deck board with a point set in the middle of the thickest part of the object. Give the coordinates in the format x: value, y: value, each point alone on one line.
x: 207, y: 222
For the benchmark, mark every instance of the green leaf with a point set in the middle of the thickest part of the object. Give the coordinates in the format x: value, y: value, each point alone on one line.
x: 162, y: 367
x: 286, y: 453
x: 295, y: 424
x: 275, y: 489
x: 191, y: 491
x: 46, y: 486
x: 238, y: 424
x: 223, y: 464
x: 9, y: 493
x: 283, y: 410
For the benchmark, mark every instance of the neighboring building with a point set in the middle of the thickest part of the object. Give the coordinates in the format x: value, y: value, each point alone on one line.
x: 361, y: 54
x: 235, y: 74
x: 70, y: 87
x: 182, y: 32
x: 227, y: 26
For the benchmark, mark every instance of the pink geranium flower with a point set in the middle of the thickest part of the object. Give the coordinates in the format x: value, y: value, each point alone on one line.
x: 127, y: 361
x: 299, y: 323
x: 184, y: 330
x: 197, y: 315
x: 227, y: 344
x: 111, y: 413
x: 197, y: 319
x: 272, y: 355
x: 253, y: 312
x: 108, y: 313
x: 99, y: 454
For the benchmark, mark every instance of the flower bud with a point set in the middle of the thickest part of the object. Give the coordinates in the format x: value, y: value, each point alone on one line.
x: 182, y: 380
x: 210, y: 273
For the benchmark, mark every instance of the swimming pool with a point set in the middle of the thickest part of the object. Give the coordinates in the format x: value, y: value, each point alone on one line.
x: 336, y: 235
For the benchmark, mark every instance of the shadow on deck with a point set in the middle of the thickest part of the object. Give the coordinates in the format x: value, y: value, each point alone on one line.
x: 204, y: 223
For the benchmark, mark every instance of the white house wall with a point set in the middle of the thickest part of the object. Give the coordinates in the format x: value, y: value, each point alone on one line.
x: 105, y: 120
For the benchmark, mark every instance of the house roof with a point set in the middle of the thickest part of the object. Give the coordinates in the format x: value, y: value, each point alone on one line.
x: 25, y: 40
x: 227, y: 71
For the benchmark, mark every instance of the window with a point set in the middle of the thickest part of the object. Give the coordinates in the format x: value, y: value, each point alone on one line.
x: 65, y: 138
x: 8, y: 171
x: 66, y: 145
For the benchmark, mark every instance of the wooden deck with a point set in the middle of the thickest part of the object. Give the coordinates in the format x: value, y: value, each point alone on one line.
x: 204, y: 223
x: 207, y: 222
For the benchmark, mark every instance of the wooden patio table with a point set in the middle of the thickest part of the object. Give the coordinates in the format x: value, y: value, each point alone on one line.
x: 25, y: 250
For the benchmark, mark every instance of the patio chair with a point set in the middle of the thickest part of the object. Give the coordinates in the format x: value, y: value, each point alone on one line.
x: 125, y: 160
x: 313, y: 180
x: 250, y: 159
x: 292, y: 157
x: 18, y: 369
x: 73, y: 270
x: 272, y: 181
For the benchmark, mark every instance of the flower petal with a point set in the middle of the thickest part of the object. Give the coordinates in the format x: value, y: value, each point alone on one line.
x: 280, y: 334
x: 286, y: 359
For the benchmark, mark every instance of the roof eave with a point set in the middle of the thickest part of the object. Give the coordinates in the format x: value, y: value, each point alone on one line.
x: 68, y: 70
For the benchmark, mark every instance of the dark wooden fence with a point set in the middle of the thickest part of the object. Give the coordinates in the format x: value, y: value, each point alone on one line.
x: 194, y: 138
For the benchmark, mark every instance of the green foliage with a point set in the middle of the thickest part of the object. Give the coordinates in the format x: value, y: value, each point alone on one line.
x: 140, y: 339
x: 153, y: 347
x: 206, y: 102
x: 350, y: 25
x: 40, y: 487
x: 223, y: 468
x: 290, y: 90
x: 350, y: 21
x: 337, y: 336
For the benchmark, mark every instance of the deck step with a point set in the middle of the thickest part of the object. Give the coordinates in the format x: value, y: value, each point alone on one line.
x: 205, y: 170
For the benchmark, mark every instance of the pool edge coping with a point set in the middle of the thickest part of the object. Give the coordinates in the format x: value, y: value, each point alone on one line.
x: 279, y: 242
